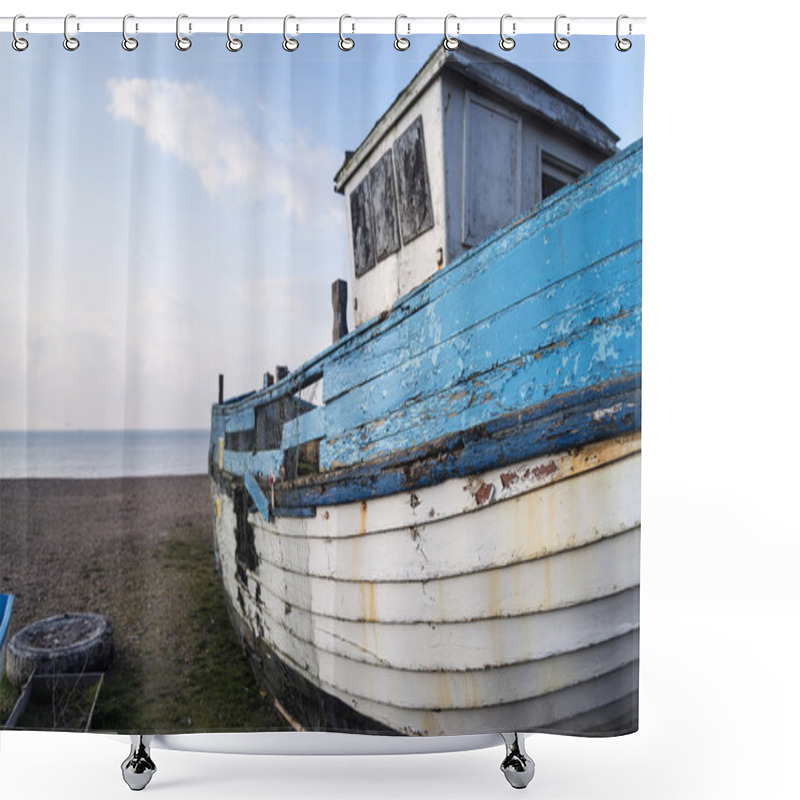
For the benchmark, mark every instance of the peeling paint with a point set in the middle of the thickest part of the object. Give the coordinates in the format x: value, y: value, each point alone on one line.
x: 485, y: 494
x: 605, y: 413
x: 507, y: 478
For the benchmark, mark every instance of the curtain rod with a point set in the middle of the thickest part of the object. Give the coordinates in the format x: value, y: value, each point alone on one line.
x: 457, y: 26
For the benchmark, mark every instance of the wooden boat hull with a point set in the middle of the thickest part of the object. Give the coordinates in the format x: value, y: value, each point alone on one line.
x: 461, y: 554
x: 452, y: 609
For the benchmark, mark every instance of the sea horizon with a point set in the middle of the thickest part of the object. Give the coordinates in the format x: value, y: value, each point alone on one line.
x: 102, y: 453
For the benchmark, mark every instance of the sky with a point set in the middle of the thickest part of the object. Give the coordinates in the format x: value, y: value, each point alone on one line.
x: 169, y: 216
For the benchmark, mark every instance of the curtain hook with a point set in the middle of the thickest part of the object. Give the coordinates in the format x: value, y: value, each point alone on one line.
x: 506, y: 42
x: 450, y: 42
x: 128, y: 42
x: 560, y: 43
x: 18, y: 43
x: 345, y: 43
x: 181, y: 42
x: 70, y: 42
x: 400, y: 42
x: 623, y: 45
x: 289, y: 44
x: 233, y: 44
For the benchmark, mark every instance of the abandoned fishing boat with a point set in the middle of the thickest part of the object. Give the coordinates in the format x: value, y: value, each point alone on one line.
x: 447, y: 540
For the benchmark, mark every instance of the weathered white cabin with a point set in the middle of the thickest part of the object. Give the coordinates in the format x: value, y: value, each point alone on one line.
x: 471, y: 143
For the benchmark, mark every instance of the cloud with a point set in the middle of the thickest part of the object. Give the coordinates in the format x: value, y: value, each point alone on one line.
x: 187, y: 121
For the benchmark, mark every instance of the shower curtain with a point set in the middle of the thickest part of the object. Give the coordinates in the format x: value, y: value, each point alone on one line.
x: 321, y: 383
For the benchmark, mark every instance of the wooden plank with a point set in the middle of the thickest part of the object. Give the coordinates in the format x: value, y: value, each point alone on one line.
x: 240, y: 420
x: 552, y: 319
x: 456, y: 496
x: 557, y: 517
x: 573, y: 419
x: 261, y: 501
x: 262, y: 463
x: 22, y: 702
x: 521, y: 325
x: 538, y: 713
x: 559, y: 581
x: 445, y: 646
x: 468, y: 689
x: 595, y: 355
x: 305, y: 428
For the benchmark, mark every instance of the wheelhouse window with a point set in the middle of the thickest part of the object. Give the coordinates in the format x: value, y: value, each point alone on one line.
x: 384, y: 207
x: 556, y: 173
x: 361, y: 225
x: 393, y: 202
x: 413, y: 187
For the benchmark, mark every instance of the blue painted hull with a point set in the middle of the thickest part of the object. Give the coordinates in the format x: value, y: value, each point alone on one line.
x: 529, y: 343
x: 6, y: 604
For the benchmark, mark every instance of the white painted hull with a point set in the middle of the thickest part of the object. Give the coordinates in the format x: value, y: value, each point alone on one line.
x: 503, y: 601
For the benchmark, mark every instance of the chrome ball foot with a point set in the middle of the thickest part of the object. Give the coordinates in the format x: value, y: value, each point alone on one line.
x: 517, y: 766
x: 138, y: 768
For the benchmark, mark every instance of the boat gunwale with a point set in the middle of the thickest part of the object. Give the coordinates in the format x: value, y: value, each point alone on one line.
x: 602, y: 178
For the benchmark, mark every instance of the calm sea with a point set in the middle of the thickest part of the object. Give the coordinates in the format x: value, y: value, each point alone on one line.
x: 102, y: 454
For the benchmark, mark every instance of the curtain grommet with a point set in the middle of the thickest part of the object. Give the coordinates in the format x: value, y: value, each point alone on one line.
x: 345, y: 42
x: 233, y: 44
x: 401, y: 42
x: 623, y: 45
x: 17, y: 42
x: 561, y: 43
x: 451, y: 42
x: 129, y: 43
x: 182, y: 42
x: 507, y: 42
x: 70, y: 43
x: 289, y: 44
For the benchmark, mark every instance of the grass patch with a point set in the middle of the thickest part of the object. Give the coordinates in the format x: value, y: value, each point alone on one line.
x: 186, y: 670
x: 9, y: 694
x: 57, y: 706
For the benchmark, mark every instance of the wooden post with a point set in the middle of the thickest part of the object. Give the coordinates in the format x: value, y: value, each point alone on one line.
x: 339, y: 300
x: 281, y: 372
x: 221, y: 385
x: 270, y: 379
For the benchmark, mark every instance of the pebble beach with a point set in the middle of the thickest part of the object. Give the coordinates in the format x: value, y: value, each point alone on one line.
x: 139, y: 551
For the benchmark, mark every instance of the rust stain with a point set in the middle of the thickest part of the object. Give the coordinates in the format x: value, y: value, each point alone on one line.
x: 494, y: 594
x: 287, y: 608
x: 507, y: 478
x: 363, y: 528
x: 485, y: 494
x: 545, y: 470
x: 326, y: 515
x: 431, y: 514
x: 368, y: 602
x: 539, y: 354
x: 415, y: 501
